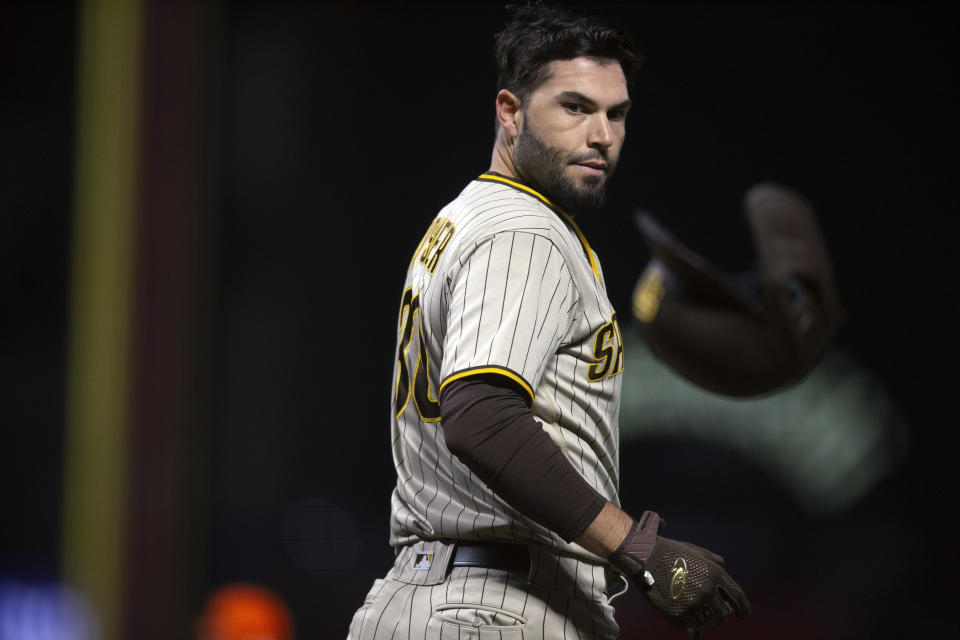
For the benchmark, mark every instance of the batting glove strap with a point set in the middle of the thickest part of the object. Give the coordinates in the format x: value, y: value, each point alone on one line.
x: 632, y: 554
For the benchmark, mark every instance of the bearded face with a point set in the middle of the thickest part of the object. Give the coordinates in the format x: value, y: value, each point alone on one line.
x: 563, y: 138
x: 576, y: 181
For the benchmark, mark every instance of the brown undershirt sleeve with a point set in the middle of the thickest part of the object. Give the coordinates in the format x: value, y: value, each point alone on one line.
x: 488, y: 425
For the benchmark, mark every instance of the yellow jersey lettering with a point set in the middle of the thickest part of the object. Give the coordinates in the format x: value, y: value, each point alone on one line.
x: 607, y: 352
x: 435, y: 242
x: 618, y: 363
x: 427, y: 404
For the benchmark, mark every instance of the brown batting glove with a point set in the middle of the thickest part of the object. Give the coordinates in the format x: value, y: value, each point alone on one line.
x: 685, y: 583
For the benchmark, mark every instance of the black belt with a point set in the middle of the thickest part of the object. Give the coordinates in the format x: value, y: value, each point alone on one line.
x: 515, y: 557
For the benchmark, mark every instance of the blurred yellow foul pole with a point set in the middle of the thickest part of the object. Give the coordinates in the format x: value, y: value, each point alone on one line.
x: 101, y: 308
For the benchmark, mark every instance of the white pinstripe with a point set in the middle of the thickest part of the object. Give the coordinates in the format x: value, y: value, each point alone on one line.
x: 513, y: 290
x: 551, y: 602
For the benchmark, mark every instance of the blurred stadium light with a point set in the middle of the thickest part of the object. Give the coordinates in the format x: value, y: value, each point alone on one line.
x: 101, y: 303
x: 44, y: 611
x: 245, y: 611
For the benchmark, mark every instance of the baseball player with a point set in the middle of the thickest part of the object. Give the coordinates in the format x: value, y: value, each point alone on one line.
x: 506, y: 389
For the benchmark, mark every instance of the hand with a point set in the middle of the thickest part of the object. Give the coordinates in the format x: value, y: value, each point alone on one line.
x: 685, y: 583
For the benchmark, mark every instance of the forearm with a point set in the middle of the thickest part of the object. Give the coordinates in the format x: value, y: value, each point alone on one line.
x: 491, y: 430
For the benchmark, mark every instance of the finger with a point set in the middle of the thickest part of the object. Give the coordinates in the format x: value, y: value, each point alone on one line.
x: 720, y: 607
x: 733, y: 595
x: 693, y: 633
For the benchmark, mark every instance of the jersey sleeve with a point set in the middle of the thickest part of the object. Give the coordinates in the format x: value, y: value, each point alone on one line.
x: 510, y: 306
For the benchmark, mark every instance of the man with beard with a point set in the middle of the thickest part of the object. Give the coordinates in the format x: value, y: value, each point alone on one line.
x: 505, y: 515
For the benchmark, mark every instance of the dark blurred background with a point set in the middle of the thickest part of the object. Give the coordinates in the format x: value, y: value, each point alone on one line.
x: 200, y: 293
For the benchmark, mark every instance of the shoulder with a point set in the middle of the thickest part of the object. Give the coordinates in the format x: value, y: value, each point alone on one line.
x: 487, y: 209
x: 490, y: 208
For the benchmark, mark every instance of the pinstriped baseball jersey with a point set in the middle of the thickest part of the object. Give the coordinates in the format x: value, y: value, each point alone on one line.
x: 502, y: 283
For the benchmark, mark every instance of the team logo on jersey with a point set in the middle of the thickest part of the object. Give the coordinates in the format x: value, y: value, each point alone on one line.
x: 607, y: 352
x: 422, y: 561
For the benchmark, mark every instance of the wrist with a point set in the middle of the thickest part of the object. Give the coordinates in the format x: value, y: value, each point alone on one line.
x: 611, y: 526
x: 635, y: 548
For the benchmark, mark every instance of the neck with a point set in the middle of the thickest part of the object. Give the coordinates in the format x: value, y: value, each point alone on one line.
x: 502, y: 160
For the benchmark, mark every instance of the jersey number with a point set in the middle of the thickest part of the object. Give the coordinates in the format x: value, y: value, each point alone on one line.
x: 427, y: 406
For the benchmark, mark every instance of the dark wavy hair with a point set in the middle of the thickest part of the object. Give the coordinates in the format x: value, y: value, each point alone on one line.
x: 537, y: 33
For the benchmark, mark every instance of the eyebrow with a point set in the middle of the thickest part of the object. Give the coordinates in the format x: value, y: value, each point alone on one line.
x: 576, y: 95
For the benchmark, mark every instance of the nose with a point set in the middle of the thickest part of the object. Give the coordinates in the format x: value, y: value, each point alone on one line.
x: 601, y: 134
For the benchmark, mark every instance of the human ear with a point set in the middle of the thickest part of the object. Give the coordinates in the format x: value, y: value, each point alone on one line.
x: 509, y: 112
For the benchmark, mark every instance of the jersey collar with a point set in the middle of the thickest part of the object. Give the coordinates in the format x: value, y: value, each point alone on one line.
x: 496, y: 177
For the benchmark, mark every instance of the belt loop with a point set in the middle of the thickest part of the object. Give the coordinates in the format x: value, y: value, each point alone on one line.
x: 534, y: 550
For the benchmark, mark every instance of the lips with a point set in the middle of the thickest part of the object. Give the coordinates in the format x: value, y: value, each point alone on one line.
x: 593, y: 167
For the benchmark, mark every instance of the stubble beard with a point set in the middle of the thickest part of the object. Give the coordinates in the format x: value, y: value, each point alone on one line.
x: 543, y: 168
